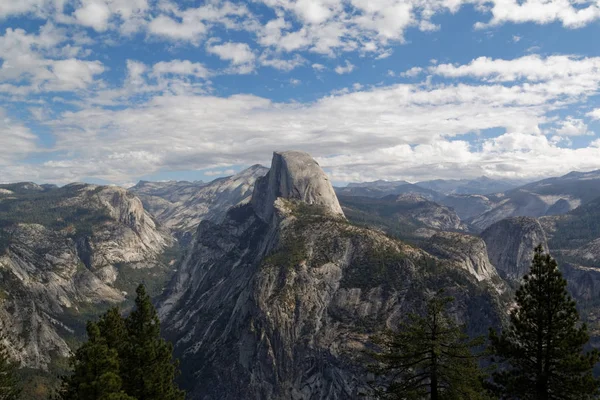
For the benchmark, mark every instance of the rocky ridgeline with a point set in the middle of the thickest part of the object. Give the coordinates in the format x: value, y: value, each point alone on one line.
x: 61, y: 260
x: 180, y: 206
x: 510, y: 245
x: 279, y: 299
x: 295, y: 176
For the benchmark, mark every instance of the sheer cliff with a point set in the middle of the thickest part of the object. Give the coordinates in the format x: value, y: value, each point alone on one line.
x: 279, y: 299
x: 64, y: 254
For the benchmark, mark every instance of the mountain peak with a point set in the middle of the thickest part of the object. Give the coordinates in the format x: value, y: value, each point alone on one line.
x: 294, y: 175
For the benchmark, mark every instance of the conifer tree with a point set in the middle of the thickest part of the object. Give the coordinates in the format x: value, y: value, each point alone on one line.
x: 124, y: 359
x: 9, y: 388
x: 95, y: 371
x: 429, y: 357
x: 149, y: 369
x: 113, y: 330
x: 542, y: 348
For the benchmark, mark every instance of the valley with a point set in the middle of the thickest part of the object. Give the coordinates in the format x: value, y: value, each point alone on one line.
x: 271, y: 282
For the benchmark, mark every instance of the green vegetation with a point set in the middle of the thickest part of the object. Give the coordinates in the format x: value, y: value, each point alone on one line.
x: 9, y: 387
x: 387, y: 214
x: 577, y: 227
x: 47, y: 208
x: 541, y: 349
x: 124, y: 359
x: 383, y: 266
x: 428, y: 357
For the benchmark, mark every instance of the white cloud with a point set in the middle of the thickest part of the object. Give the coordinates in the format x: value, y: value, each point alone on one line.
x: 268, y: 59
x: 400, y: 130
x: 594, y: 114
x: 27, y: 68
x: 192, y: 24
x: 93, y: 13
x: 74, y: 74
x: 168, y: 118
x: 384, y: 54
x: 344, y: 69
x: 16, y: 140
x: 572, y: 127
x: 10, y: 8
x: 409, y: 130
x: 236, y: 53
x: 135, y: 72
x: 180, y: 67
x: 167, y: 27
x: 413, y: 72
x: 533, y: 68
x: 571, y: 13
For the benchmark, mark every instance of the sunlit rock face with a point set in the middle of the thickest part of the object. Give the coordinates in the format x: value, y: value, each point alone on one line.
x: 279, y: 300
x: 62, y: 254
x: 181, y: 206
x: 294, y: 175
x: 510, y: 244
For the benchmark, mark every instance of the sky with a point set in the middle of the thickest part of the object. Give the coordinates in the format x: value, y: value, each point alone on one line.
x: 113, y: 91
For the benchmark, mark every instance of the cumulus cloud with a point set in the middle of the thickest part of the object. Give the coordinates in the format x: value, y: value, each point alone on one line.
x: 237, y: 53
x: 16, y: 140
x: 168, y: 27
x: 344, y: 69
x: 570, y: 13
x: 532, y: 68
x: 93, y: 13
x: 27, y: 68
x: 573, y: 127
x: 594, y: 114
x: 408, y: 130
x: 180, y: 67
x: 411, y: 73
x: 193, y: 23
x: 163, y: 115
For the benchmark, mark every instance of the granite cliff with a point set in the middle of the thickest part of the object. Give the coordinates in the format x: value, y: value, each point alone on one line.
x: 278, y: 300
x: 66, y: 253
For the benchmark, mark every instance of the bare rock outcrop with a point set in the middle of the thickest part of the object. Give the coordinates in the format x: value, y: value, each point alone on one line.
x: 294, y: 175
x: 510, y: 244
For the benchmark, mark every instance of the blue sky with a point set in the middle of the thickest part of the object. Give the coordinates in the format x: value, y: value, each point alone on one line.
x: 113, y: 91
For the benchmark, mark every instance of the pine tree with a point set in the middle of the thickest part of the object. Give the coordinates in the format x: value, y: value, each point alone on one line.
x: 430, y: 357
x: 9, y: 388
x: 113, y: 330
x: 542, y: 348
x: 95, y: 371
x: 149, y: 369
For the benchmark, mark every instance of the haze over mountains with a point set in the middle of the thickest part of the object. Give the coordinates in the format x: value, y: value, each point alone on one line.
x: 270, y: 282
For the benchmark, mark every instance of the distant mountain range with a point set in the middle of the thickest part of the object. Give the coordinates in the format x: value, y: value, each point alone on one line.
x: 483, y: 201
x: 278, y: 279
x: 434, y: 188
x: 180, y: 206
x: 66, y: 253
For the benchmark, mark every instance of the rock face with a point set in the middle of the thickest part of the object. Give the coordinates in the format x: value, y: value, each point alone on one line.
x: 574, y: 239
x: 469, y: 252
x: 294, y: 175
x: 379, y: 189
x: 180, y: 206
x: 404, y: 216
x: 61, y: 256
x: 468, y: 206
x: 510, y: 245
x: 546, y: 197
x: 278, y: 300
